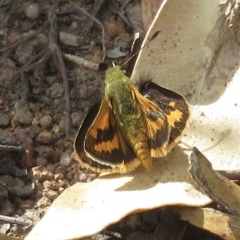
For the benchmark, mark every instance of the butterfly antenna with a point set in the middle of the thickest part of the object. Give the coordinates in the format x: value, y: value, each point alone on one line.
x: 136, y: 37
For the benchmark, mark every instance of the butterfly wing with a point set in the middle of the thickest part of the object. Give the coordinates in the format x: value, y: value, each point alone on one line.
x: 158, y: 128
x: 174, y: 106
x: 100, y: 146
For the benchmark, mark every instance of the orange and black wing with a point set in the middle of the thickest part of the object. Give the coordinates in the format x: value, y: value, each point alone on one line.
x: 173, y: 105
x: 158, y: 128
x: 100, y: 146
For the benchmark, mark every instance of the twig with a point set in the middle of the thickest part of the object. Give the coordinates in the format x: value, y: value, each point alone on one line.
x: 55, y: 49
x: 230, y: 174
x: 14, y: 220
x: 23, y: 39
x: 121, y: 15
x: 121, y: 12
x: 96, y: 6
x: 82, y: 10
x: 35, y: 61
x: 126, y: 2
x: 81, y: 61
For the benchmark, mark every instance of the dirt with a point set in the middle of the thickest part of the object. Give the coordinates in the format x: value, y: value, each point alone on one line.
x: 36, y: 140
x: 35, y: 135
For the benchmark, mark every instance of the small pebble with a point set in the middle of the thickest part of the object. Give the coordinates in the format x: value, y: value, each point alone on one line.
x: 42, y: 174
x: 81, y: 177
x: 43, y: 202
x: 32, y: 10
x: 53, y: 185
x: 115, y: 53
x: 55, y: 129
x: 22, y: 114
x: 76, y: 118
x: 66, y: 159
x: 44, y: 151
x: 46, y: 121
x: 58, y: 177
x: 33, y: 215
x: 70, y: 39
x: 60, y: 169
x: 62, y: 183
x: 49, y: 193
x: 69, y: 176
x: 41, y: 161
x: 56, y: 90
x: 61, y: 189
x: 97, y: 55
x: 51, y: 167
x: 45, y: 137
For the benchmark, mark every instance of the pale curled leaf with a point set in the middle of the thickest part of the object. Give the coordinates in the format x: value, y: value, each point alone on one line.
x: 149, y: 9
x: 215, y: 128
x: 222, y: 224
x: 194, y: 53
x: 86, y: 208
x: 222, y: 190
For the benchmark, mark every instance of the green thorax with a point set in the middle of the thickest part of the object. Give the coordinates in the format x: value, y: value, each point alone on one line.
x: 127, y: 111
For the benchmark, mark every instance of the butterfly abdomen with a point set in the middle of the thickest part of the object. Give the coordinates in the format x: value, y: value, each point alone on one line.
x: 129, y: 116
x: 144, y: 155
x: 133, y: 128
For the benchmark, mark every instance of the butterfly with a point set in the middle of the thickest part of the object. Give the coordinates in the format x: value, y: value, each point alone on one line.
x: 131, y: 126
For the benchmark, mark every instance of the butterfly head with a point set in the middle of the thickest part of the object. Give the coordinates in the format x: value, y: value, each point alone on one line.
x: 116, y: 83
x: 113, y: 74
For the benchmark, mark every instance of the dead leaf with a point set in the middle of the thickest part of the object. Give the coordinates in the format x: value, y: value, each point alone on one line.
x: 86, y: 208
x: 220, y: 189
x: 224, y: 225
x: 215, y: 129
x: 195, y: 53
x: 149, y: 9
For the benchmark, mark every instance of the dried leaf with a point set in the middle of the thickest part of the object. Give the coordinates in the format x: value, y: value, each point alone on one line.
x: 86, y: 208
x: 223, y: 191
x: 215, y: 129
x: 149, y: 9
x: 224, y: 225
x: 194, y: 52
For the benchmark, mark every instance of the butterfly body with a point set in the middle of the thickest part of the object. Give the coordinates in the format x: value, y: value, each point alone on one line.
x: 128, y: 114
x: 131, y: 126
